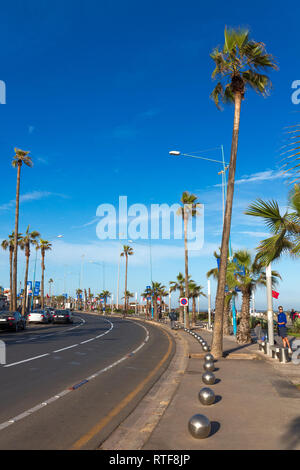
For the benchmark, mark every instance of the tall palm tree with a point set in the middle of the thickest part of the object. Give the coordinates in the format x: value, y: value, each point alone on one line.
x: 248, y: 276
x: 238, y: 65
x: 127, y: 251
x: 26, y: 241
x: 9, y: 243
x: 284, y: 227
x: 188, y: 209
x: 195, y: 292
x: 229, y: 291
x: 43, y: 245
x: 21, y: 157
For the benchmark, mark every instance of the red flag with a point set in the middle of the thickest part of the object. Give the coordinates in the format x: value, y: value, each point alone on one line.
x: 275, y: 294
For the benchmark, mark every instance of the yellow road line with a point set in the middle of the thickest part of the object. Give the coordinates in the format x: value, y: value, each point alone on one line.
x: 115, y: 411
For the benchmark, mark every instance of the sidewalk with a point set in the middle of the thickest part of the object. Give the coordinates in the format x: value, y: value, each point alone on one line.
x: 257, y: 405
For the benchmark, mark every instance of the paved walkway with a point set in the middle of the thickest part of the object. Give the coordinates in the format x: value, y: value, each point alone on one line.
x: 257, y: 405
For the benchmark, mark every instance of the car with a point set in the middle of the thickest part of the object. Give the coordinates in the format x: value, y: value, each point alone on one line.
x: 63, y: 316
x: 39, y: 316
x: 12, y: 320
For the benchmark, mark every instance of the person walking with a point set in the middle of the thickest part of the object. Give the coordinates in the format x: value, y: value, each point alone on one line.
x: 173, y: 318
x: 258, y: 331
x: 282, y: 329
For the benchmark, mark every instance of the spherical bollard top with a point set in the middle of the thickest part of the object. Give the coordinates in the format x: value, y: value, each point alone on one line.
x: 199, y: 426
x: 209, y: 357
x: 209, y: 366
x: 206, y: 396
x: 208, y: 378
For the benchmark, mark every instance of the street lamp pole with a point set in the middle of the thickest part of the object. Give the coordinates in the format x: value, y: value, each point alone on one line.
x: 224, y: 194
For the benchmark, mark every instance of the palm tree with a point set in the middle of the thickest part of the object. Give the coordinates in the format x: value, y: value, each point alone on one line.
x: 285, y: 228
x: 105, y: 294
x: 248, y: 275
x: 195, y: 292
x: 179, y: 285
x: 189, y: 209
x: 156, y: 291
x: 44, y: 246
x: 78, y: 294
x: 163, y: 294
x: 50, y: 284
x: 9, y: 243
x: 146, y: 294
x: 292, y: 154
x: 229, y: 292
x: 26, y: 241
x: 238, y: 65
x: 127, y: 251
x: 21, y: 157
x: 127, y: 295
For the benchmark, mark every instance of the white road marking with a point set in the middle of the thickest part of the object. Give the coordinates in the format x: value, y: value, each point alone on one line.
x: 26, y: 360
x: 66, y: 391
x: 63, y: 349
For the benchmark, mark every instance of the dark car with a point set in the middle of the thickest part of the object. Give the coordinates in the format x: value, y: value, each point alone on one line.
x: 63, y: 316
x: 12, y: 320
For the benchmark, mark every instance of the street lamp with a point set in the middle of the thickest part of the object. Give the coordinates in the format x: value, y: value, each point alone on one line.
x: 224, y: 192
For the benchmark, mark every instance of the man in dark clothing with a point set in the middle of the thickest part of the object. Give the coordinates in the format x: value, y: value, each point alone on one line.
x: 173, y: 318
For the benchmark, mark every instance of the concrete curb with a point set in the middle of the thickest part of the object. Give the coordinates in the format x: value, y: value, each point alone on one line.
x: 137, y: 428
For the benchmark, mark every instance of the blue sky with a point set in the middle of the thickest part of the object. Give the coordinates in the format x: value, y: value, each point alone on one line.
x: 100, y: 92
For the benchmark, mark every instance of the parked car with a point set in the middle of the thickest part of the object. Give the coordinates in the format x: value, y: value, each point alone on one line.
x: 39, y: 316
x: 12, y: 320
x: 63, y: 316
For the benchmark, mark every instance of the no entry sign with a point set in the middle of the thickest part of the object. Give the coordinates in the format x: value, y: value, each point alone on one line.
x: 183, y: 301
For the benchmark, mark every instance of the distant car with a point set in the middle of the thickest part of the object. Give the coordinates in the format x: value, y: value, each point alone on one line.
x: 63, y: 316
x: 39, y: 316
x: 12, y: 320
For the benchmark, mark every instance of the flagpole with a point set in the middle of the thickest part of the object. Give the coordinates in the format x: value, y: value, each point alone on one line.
x: 270, y: 308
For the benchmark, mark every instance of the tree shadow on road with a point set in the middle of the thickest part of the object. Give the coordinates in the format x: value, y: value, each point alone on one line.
x: 291, y: 438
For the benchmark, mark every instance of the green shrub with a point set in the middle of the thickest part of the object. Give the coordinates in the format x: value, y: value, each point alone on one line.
x: 296, y: 326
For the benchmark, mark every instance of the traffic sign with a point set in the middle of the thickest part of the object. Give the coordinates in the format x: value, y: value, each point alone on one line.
x: 183, y: 301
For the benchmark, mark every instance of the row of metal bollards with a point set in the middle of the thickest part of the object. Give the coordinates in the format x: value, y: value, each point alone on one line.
x: 199, y: 425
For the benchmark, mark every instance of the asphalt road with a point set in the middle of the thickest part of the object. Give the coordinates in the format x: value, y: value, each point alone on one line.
x: 70, y: 386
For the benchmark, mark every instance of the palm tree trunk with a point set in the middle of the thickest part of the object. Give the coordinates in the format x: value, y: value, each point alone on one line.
x: 217, y: 341
x: 11, y: 255
x: 155, y: 307
x: 15, y: 261
x: 24, y: 306
x: 42, y: 283
x: 181, y: 309
x: 186, y: 262
x: 226, y: 317
x: 194, y: 311
x: 125, y: 295
x: 243, y: 335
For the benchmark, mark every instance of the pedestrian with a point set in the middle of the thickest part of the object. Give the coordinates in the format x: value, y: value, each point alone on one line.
x: 258, y: 331
x: 282, y: 329
x: 173, y: 318
x: 292, y: 315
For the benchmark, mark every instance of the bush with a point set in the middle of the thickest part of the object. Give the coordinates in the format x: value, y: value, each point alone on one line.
x: 296, y: 326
